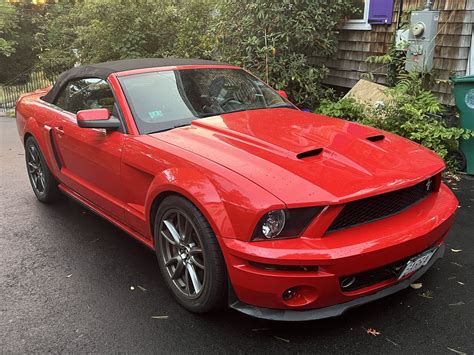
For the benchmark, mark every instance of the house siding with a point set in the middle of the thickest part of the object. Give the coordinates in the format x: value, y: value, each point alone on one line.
x: 451, y: 55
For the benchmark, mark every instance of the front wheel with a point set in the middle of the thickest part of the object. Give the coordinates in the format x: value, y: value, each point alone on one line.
x: 189, y: 256
x: 42, y: 181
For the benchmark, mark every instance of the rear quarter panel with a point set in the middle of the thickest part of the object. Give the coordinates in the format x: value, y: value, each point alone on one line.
x: 33, y: 117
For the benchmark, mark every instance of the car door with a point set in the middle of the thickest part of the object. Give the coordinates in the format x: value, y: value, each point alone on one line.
x: 89, y: 158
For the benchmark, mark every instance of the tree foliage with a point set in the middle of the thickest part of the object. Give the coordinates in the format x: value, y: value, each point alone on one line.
x: 194, y: 39
x: 56, y: 37
x: 18, y: 24
x: 8, y: 25
x: 102, y: 30
x: 277, y: 39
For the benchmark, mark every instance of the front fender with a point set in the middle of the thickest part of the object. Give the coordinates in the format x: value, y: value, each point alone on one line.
x: 198, y: 189
x: 231, y: 204
x: 151, y: 168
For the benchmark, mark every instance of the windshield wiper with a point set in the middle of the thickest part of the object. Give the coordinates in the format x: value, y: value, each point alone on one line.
x: 282, y: 106
x: 170, y: 128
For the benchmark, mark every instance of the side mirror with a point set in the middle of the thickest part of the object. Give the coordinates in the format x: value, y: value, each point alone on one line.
x: 97, y: 118
x: 283, y: 94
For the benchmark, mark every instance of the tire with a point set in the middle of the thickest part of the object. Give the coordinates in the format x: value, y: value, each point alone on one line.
x: 204, y: 288
x: 42, y: 181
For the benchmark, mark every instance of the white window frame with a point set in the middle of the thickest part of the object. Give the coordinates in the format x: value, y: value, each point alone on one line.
x: 360, y: 24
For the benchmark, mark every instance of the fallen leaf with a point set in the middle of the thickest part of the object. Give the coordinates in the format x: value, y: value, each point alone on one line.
x: 416, y: 286
x: 427, y: 294
x: 282, y: 339
x: 141, y: 288
x: 456, y: 250
x: 68, y: 276
x: 455, y: 263
x: 460, y: 303
x: 451, y: 277
x: 373, y: 332
x: 132, y: 288
x: 159, y: 317
x: 457, y: 351
x: 461, y: 283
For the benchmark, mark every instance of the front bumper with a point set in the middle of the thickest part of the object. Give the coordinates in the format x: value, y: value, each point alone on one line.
x: 289, y: 315
x: 259, y: 291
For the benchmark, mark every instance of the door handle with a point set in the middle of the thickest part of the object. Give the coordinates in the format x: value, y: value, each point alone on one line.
x: 59, y: 131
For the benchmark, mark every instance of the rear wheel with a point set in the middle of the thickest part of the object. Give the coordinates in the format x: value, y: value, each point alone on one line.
x: 189, y: 256
x: 42, y: 181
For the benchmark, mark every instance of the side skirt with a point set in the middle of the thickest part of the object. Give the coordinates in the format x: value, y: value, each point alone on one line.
x: 71, y: 193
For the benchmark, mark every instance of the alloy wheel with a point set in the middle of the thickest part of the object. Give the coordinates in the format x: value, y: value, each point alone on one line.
x: 35, y: 169
x: 182, y: 254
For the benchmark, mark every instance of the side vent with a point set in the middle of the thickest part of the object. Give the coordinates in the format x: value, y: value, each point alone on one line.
x: 376, y: 138
x: 309, y: 153
x: 55, y: 151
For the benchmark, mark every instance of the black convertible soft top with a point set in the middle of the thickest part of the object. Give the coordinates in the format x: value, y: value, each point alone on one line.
x: 103, y: 70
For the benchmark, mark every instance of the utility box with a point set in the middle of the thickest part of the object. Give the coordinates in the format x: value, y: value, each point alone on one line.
x: 421, y: 39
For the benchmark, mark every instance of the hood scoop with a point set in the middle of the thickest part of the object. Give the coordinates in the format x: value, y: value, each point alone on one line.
x: 376, y: 138
x: 309, y: 154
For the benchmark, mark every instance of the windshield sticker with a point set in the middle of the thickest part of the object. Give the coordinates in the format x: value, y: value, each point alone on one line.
x: 155, y: 114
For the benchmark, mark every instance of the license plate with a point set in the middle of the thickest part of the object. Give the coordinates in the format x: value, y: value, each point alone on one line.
x: 417, y: 262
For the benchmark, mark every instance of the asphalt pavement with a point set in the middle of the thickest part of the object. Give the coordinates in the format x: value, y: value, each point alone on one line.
x: 72, y: 282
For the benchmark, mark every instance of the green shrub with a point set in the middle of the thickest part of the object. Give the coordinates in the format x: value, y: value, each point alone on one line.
x: 346, y: 108
x: 411, y: 112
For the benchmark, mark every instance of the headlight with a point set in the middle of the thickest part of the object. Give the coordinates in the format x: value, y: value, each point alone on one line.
x: 273, y: 223
x: 280, y: 224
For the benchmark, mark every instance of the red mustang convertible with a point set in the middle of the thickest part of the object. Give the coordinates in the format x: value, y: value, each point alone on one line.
x: 246, y: 200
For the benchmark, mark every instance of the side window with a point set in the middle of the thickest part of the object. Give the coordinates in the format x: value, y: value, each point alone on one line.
x: 84, y: 94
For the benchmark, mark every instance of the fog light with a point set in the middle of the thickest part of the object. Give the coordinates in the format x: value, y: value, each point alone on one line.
x: 299, y: 296
x: 288, y: 294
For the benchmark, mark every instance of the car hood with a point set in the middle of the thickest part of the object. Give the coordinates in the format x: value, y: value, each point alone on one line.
x: 304, y: 158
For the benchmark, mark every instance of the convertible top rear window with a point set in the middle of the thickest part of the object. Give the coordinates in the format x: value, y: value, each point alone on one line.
x: 167, y: 99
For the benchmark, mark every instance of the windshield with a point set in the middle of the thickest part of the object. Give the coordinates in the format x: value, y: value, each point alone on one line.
x: 167, y: 99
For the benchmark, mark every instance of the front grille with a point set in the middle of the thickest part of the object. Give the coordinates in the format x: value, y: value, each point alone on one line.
x: 373, y: 208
